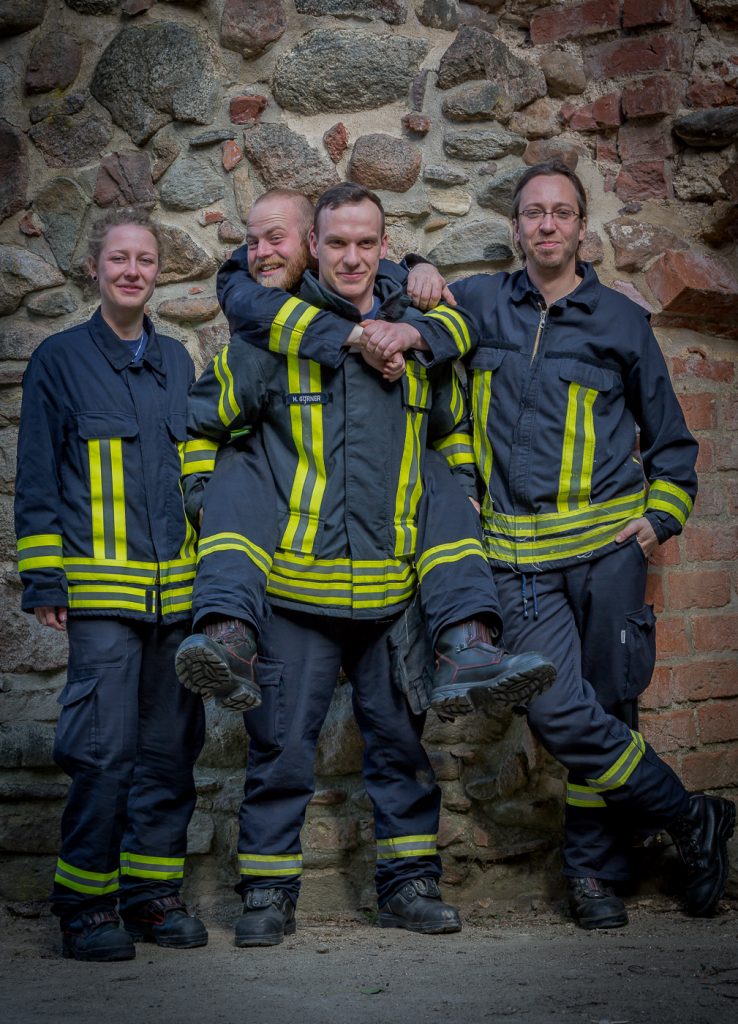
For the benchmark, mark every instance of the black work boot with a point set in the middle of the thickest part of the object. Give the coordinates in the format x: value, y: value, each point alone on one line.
x: 96, y: 936
x: 594, y: 905
x: 166, y: 922
x: 221, y: 661
x: 418, y: 907
x: 268, y: 915
x: 701, y: 836
x: 471, y: 672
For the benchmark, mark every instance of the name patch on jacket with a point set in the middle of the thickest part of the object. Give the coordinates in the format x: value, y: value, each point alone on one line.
x: 308, y: 398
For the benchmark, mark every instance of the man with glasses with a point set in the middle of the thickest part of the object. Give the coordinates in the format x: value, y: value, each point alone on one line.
x: 565, y: 373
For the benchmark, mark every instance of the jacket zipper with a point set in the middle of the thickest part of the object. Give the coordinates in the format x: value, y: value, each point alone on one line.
x: 539, y: 332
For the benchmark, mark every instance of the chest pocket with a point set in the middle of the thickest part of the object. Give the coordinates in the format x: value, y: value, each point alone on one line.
x: 585, y: 384
x: 104, y: 434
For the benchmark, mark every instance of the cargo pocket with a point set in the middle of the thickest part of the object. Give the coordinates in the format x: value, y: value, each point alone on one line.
x: 77, y: 732
x: 640, y: 650
x: 411, y: 659
x: 266, y: 724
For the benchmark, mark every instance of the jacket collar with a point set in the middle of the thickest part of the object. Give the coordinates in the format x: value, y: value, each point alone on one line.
x: 393, y: 301
x: 586, y: 295
x: 117, y: 353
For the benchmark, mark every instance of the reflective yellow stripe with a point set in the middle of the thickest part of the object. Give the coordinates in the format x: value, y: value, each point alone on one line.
x: 308, y: 485
x: 228, y: 407
x: 666, y: 497
x: 457, y: 449
x: 583, y: 796
x: 409, y: 482
x: 199, y: 456
x: 289, y: 325
x: 455, y: 324
x: 619, y: 773
x: 270, y: 865
x: 40, y: 551
x: 481, y: 399
x: 141, y: 865
x: 118, y: 498
x: 96, y: 499
x: 216, y: 542
x: 93, y: 882
x: 406, y: 846
x: 577, y: 455
x: 341, y: 583
x: 442, y: 554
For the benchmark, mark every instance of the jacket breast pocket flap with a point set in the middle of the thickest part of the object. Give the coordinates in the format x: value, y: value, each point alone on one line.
x: 177, y: 426
x: 598, y: 378
x: 487, y: 358
x: 101, y: 425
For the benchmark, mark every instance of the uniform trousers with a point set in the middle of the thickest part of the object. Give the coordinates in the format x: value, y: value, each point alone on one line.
x: 591, y: 621
x: 299, y: 660
x: 128, y: 735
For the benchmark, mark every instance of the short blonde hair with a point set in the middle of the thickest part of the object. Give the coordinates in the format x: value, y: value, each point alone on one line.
x: 116, y: 218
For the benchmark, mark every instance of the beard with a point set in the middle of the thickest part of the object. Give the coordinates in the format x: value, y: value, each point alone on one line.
x: 284, y: 274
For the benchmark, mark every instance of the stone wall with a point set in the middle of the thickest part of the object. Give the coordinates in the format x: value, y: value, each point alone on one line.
x: 193, y: 109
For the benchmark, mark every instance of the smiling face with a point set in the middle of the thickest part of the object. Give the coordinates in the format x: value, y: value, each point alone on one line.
x: 549, y: 246
x: 348, y: 248
x: 126, y: 270
x: 276, y: 237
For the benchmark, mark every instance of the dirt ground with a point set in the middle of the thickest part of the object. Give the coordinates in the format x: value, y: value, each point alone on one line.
x: 520, y: 969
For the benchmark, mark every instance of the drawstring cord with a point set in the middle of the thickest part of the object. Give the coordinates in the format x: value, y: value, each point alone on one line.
x: 533, y: 594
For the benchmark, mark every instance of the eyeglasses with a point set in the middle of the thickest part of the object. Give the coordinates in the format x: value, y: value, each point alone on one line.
x: 534, y: 214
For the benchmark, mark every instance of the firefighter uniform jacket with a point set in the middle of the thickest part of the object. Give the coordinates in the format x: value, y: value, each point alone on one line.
x: 556, y: 394
x: 99, y: 513
x: 344, y: 448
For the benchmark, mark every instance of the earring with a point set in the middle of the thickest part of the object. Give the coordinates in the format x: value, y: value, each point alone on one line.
x: 94, y: 277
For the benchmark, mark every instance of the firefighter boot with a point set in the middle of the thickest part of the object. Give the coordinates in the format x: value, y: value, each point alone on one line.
x: 594, y: 905
x: 701, y: 836
x: 166, y: 922
x: 95, y: 935
x: 222, y: 662
x: 471, y: 672
x: 417, y: 906
x: 268, y: 915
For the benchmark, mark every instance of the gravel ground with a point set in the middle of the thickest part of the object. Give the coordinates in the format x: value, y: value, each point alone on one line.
x: 521, y: 969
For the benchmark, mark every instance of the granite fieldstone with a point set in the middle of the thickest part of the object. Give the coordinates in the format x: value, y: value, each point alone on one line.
x: 23, y: 272
x: 61, y: 204
x: 250, y: 26
x: 473, y: 242
x: 381, y: 161
x: 53, y: 62
x: 13, y: 170
x: 283, y: 159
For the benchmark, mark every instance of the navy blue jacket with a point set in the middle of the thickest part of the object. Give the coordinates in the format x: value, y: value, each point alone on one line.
x: 556, y: 396
x: 99, y: 512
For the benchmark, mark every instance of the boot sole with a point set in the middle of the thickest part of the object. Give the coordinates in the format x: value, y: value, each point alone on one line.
x: 193, y: 942
x: 203, y: 672
x: 516, y: 689
x: 442, y: 928
x: 244, y: 941
x: 725, y: 831
x: 101, y: 956
x: 606, y: 922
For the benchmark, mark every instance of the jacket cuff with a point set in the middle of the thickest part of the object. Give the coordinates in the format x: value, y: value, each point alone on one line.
x: 45, y: 594
x: 664, y: 525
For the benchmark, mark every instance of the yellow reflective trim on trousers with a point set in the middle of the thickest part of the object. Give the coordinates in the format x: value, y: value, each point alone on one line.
x: 140, y: 865
x: 288, y: 328
x: 270, y: 865
x: 666, y: 497
x: 228, y: 407
x: 577, y: 455
x: 94, y: 883
x: 216, y: 542
x: 583, y: 796
x: 455, y: 324
x: 481, y: 400
x: 619, y: 773
x: 40, y: 551
x: 406, y: 846
x: 443, y: 554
